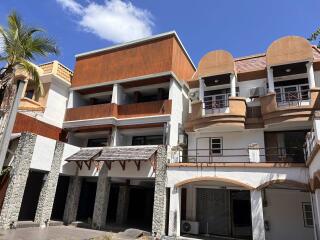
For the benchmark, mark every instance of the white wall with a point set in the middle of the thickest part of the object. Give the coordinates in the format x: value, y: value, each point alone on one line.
x: 176, y: 95
x: 68, y: 168
x: 231, y: 140
x: 245, y: 86
x: 252, y: 176
x: 43, y: 153
x: 56, y: 103
x: 146, y: 171
x: 75, y: 100
x: 285, y: 215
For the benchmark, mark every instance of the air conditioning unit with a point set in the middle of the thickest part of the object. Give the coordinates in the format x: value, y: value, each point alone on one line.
x: 257, y: 92
x: 193, y: 95
x: 190, y: 227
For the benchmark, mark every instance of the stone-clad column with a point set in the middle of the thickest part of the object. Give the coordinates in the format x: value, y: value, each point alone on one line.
x: 72, y: 202
x: 123, y: 204
x: 102, y: 199
x: 18, y: 179
x: 159, y: 206
x: 48, y: 190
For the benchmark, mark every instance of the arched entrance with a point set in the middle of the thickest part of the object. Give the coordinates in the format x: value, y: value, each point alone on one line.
x: 215, y: 207
x: 287, y: 209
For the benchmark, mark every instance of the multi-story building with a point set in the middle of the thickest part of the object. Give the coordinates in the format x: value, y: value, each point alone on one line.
x: 228, y: 149
x: 29, y: 159
x: 244, y: 173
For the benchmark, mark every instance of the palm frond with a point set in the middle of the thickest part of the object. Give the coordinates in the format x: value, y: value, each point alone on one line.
x: 33, y: 74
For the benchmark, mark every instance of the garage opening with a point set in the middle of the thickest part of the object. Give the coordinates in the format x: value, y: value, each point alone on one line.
x: 217, y: 213
x: 60, y: 198
x: 87, y: 199
x: 31, y: 196
x: 141, y: 207
x: 113, y: 203
x: 130, y: 204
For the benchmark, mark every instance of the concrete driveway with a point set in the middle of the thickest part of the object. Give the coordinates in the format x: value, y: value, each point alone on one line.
x: 51, y: 233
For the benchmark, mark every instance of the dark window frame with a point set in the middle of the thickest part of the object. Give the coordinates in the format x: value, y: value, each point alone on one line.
x: 303, y: 204
x: 215, y: 148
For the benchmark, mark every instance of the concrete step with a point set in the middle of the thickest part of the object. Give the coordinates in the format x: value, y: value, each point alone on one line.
x: 27, y: 224
x: 55, y: 223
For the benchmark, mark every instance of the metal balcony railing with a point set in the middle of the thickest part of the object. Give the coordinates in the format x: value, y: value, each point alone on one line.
x: 215, y: 106
x: 292, y: 98
x: 285, y: 154
x: 239, y: 155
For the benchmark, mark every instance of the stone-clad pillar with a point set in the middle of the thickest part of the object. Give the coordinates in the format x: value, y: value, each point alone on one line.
x: 159, y: 206
x: 123, y: 204
x: 18, y: 179
x: 102, y: 199
x: 72, y: 202
x: 48, y: 190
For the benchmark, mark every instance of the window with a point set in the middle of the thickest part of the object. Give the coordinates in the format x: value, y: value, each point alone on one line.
x: 147, y: 140
x: 216, y: 146
x: 291, y: 93
x: 29, y: 94
x: 307, y: 214
x: 98, y: 142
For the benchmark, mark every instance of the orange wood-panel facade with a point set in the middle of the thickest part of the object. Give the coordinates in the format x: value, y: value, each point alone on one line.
x: 145, y: 109
x: 146, y: 58
x: 128, y: 62
x: 26, y: 123
x: 181, y: 64
x: 91, y: 112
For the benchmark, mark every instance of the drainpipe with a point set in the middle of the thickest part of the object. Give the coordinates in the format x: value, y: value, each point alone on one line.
x: 11, y: 119
x: 315, y: 227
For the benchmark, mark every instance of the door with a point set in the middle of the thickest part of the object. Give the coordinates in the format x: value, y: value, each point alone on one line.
x: 202, y: 152
x: 213, y: 211
x: 272, y: 147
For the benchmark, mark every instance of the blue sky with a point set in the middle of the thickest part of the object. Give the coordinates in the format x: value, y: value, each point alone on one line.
x: 243, y: 27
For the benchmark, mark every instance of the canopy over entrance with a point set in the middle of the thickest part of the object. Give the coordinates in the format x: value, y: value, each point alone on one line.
x: 109, y: 155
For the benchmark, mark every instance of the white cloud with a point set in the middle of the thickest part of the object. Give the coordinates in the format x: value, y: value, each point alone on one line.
x: 115, y: 20
x: 71, y: 5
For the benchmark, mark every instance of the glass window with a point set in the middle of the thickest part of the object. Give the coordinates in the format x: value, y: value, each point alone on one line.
x: 29, y: 94
x: 307, y: 215
x: 98, y: 142
x: 291, y: 93
x: 216, y: 146
x: 278, y: 94
x: 304, y: 91
x: 147, y: 140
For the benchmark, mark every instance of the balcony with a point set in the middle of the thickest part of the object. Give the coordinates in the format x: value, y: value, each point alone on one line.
x: 135, y: 110
x: 251, y: 154
x: 231, y: 112
x: 27, y: 104
x: 289, y: 106
x: 58, y: 69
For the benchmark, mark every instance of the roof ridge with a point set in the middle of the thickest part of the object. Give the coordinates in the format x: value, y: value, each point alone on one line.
x: 250, y: 56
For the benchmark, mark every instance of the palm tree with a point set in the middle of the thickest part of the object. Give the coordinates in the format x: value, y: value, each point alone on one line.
x: 314, y: 36
x: 21, y: 44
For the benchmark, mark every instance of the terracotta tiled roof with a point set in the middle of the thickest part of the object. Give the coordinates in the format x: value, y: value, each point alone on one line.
x: 251, y: 63
x: 250, y: 67
x: 258, y: 61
